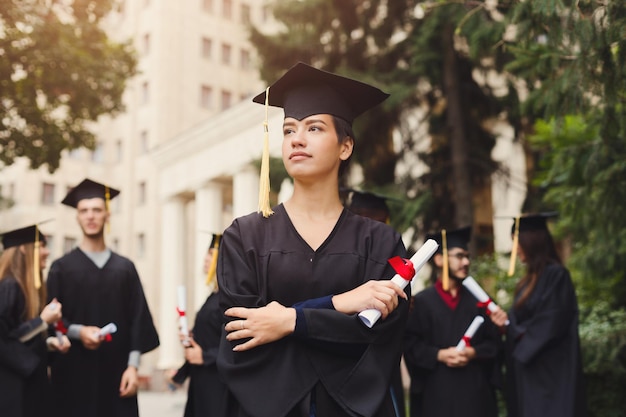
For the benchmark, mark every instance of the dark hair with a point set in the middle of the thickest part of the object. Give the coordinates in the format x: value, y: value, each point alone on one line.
x: 344, y: 131
x: 540, y: 251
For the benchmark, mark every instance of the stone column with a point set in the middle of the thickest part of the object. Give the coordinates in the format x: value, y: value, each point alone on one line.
x: 171, y: 264
x: 245, y: 191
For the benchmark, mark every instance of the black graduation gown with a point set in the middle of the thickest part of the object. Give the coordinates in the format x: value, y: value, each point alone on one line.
x: 206, y: 396
x: 346, y: 365
x: 436, y: 389
x: 85, y: 383
x: 23, y: 377
x: 544, y: 367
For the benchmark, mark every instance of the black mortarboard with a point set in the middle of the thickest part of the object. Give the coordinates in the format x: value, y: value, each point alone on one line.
x: 457, y: 238
x: 368, y: 204
x: 536, y: 221
x: 89, y: 189
x: 305, y: 90
x: 22, y: 236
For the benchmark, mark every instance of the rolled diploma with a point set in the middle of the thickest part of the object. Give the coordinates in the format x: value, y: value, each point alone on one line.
x: 470, y: 332
x: 473, y: 287
x: 182, y: 316
x: 57, y: 331
x: 370, y: 316
x: 108, y: 329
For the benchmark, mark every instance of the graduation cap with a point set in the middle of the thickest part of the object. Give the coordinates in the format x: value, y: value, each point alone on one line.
x: 304, y: 91
x: 457, y: 238
x: 89, y: 189
x: 368, y: 204
x: 526, y: 223
x: 23, y: 236
x: 215, y: 244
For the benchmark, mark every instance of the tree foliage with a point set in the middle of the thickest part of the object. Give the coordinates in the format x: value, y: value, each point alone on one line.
x: 572, y: 59
x: 422, y: 64
x: 58, y: 73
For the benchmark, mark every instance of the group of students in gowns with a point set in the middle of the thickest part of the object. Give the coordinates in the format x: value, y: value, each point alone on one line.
x: 92, y: 373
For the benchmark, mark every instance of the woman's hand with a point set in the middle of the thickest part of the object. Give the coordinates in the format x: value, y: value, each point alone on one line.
x: 54, y: 345
x: 193, y: 353
x: 381, y: 295
x: 499, y: 317
x: 52, y: 312
x: 260, y: 325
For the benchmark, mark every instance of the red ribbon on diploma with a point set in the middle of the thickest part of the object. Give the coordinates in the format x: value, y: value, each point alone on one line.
x: 181, y: 313
x: 466, y: 339
x: 60, y: 327
x: 485, y: 304
x: 403, y: 267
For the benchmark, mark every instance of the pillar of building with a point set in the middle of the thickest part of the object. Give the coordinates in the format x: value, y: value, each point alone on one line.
x: 209, y: 206
x: 171, y: 265
x: 245, y: 191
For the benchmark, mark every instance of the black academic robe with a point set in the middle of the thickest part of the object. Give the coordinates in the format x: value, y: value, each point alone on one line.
x: 206, y: 396
x: 85, y: 383
x: 23, y: 378
x: 544, y: 367
x: 332, y: 356
x: 436, y: 389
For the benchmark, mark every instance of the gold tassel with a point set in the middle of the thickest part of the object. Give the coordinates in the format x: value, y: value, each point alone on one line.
x: 107, y: 200
x: 445, y: 276
x: 514, y: 247
x: 36, y: 270
x: 210, y: 276
x: 264, y: 179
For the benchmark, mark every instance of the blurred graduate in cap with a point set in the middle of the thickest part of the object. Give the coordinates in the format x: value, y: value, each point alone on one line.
x: 446, y: 382
x: 543, y: 362
x: 293, y: 279
x: 24, y: 321
x: 206, y: 395
x: 98, y: 377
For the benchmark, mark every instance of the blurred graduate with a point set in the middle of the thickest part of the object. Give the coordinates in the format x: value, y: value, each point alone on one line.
x: 446, y: 381
x: 98, y: 377
x: 24, y: 321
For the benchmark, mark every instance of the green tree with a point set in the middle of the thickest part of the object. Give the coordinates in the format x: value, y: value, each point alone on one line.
x: 572, y: 58
x: 58, y: 73
x: 421, y: 64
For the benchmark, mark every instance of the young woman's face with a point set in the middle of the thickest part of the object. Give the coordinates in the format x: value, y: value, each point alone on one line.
x: 311, y: 147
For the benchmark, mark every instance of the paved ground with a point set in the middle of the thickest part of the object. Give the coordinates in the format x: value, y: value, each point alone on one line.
x: 162, y: 404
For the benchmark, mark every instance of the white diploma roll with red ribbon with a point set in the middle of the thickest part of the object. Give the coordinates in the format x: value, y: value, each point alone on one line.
x: 370, y: 316
x: 469, y: 333
x: 183, y: 325
x: 107, y: 330
x: 480, y: 294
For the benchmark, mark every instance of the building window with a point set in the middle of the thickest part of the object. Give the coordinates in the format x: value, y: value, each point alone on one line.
x: 69, y: 243
x: 97, y: 155
x: 226, y: 99
x: 47, y: 194
x: 227, y: 9
x: 119, y: 151
x: 146, y: 44
x: 245, y: 14
x: 207, y: 46
x: 144, y: 144
x: 206, y: 96
x: 145, y: 92
x: 141, y: 193
x: 141, y: 245
x: 207, y: 6
x: 226, y: 54
x: 246, y: 62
